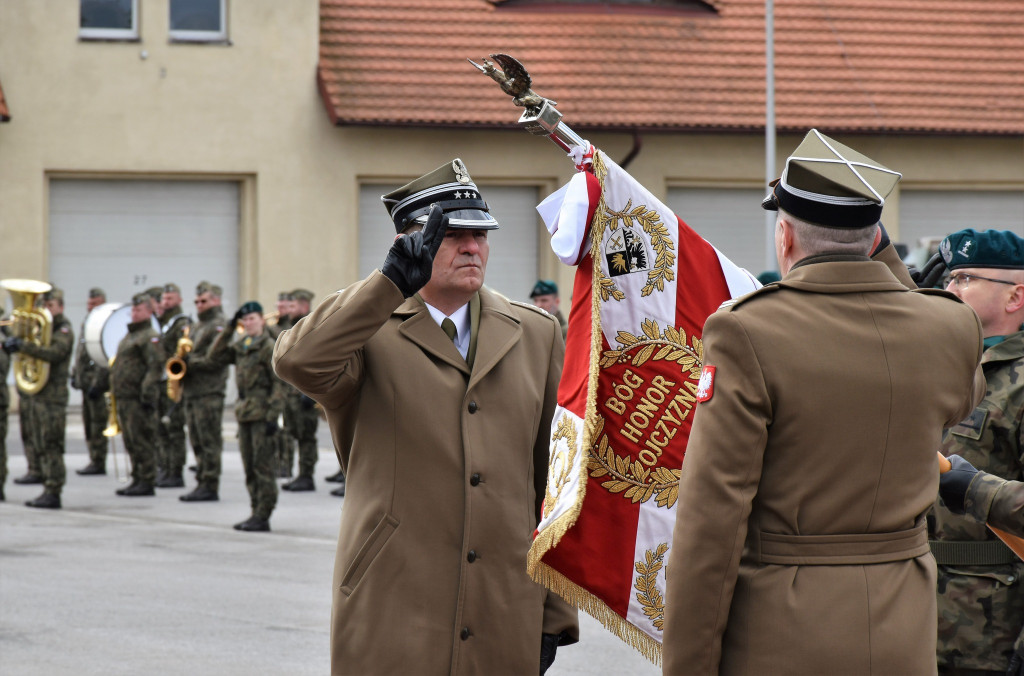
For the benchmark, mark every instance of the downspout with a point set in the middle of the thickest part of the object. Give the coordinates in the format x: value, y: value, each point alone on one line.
x: 634, y: 151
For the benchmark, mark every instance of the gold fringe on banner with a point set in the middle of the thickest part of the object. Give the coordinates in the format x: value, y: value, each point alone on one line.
x: 599, y: 610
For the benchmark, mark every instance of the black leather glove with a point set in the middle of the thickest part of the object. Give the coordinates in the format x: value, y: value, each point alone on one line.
x: 12, y: 345
x: 271, y: 428
x: 94, y: 392
x: 237, y: 318
x: 953, y: 484
x: 548, y: 646
x: 929, y: 275
x: 411, y: 258
x: 306, y: 403
x: 1016, y: 666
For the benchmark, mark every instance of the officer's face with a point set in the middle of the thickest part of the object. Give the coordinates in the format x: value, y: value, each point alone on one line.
x: 168, y: 300
x: 205, y: 301
x: 986, y: 298
x: 253, y: 324
x: 460, y: 262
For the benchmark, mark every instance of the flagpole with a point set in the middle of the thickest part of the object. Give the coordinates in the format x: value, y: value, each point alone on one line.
x: 769, y: 131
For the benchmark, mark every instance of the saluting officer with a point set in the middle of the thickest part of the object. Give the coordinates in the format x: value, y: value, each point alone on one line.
x: 439, y: 394
x: 136, y: 384
x: 48, y: 407
x: 981, y: 596
x: 93, y: 380
x: 171, y: 430
x: 800, y: 542
x: 300, y: 415
x: 260, y: 402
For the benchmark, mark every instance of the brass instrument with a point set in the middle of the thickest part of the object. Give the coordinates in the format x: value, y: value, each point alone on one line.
x: 176, y: 367
x: 33, y: 325
x: 113, y: 427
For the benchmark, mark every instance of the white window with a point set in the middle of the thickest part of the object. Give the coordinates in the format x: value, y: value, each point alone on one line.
x: 109, y: 19
x: 199, y: 20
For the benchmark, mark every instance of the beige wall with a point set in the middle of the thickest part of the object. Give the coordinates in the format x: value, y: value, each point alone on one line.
x: 251, y: 111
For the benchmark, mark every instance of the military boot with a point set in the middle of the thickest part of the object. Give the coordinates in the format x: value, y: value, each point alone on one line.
x: 200, y: 494
x: 338, y: 477
x: 29, y: 478
x: 125, y: 489
x: 141, y: 488
x: 301, y: 483
x: 171, y: 482
x: 339, y: 491
x: 45, y: 501
x: 254, y: 524
x: 91, y: 469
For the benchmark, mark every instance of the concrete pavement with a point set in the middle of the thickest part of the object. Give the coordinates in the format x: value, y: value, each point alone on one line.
x: 113, y: 585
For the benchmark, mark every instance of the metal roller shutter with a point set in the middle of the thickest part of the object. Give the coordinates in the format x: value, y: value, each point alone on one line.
x: 730, y: 218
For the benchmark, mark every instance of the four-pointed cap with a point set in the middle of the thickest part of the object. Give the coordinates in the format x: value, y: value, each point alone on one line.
x: 830, y: 184
x: 449, y: 186
x: 972, y: 248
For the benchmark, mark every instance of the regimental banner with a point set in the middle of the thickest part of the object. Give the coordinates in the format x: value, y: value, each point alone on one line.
x: 645, y: 284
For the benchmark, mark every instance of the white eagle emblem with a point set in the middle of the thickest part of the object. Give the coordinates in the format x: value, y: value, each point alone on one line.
x: 706, y: 384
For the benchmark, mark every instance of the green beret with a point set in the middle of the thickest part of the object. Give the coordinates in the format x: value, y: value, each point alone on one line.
x: 449, y: 186
x: 249, y: 308
x: 983, y: 249
x: 768, y: 277
x: 302, y: 294
x: 97, y: 292
x: 544, y: 287
x: 140, y: 298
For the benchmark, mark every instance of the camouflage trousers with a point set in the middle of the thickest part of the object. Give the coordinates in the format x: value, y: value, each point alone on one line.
x: 138, y: 427
x: 95, y: 416
x: 46, y: 422
x: 25, y: 421
x: 3, y: 444
x: 205, y: 431
x: 259, y: 460
x: 981, y: 614
x: 285, y: 449
x: 171, y: 435
x: 300, y: 424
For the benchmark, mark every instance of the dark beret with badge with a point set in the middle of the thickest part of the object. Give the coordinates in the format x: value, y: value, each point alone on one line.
x: 972, y: 248
x: 829, y: 184
x: 450, y: 187
x: 249, y: 308
x: 544, y: 287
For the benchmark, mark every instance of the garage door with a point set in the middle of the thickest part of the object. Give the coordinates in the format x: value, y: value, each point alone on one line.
x: 126, y: 236
x: 730, y: 218
x: 513, y: 263
x: 926, y: 214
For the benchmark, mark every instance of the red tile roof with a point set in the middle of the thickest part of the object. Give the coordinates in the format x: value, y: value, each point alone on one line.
x: 928, y: 66
x: 5, y: 114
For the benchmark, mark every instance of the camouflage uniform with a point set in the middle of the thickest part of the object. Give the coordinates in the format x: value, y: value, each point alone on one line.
x: 203, y: 398
x: 260, y: 401
x: 981, y: 605
x: 49, y: 407
x: 25, y: 423
x: 300, y: 415
x: 285, y: 442
x: 171, y: 430
x: 93, y: 380
x: 135, y: 382
x: 997, y: 502
x: 5, y: 400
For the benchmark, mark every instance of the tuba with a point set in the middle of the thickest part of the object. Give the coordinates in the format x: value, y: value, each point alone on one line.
x: 175, y: 367
x: 33, y: 325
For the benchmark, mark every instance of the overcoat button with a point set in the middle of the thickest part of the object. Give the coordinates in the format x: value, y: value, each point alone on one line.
x: 471, y: 556
x: 472, y: 407
x: 474, y: 480
x: 464, y: 634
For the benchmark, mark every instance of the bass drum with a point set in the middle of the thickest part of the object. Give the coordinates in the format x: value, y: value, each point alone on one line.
x: 104, y: 328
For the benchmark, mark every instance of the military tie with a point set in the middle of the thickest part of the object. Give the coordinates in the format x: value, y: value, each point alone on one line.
x: 448, y: 326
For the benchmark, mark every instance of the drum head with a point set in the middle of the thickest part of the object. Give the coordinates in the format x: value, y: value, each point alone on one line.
x: 105, y: 326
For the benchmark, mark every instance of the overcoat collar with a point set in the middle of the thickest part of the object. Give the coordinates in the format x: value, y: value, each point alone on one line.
x: 499, y: 331
x: 841, y: 274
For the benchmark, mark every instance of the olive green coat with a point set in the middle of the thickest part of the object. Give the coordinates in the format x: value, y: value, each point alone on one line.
x: 799, y: 544
x: 446, y: 468
x: 201, y: 377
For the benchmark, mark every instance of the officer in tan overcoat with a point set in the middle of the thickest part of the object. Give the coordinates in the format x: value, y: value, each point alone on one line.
x: 800, y: 544
x: 440, y: 405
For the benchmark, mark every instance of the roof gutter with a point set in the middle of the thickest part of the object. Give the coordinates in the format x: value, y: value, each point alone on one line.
x: 638, y: 143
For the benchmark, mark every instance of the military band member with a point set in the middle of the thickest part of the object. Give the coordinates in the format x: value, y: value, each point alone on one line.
x: 5, y: 400
x: 48, y: 408
x: 300, y: 414
x: 439, y: 394
x: 171, y: 430
x: 286, y: 443
x: 204, y: 384
x: 800, y: 543
x: 981, y: 597
x: 93, y: 380
x: 260, y: 402
x: 135, y: 380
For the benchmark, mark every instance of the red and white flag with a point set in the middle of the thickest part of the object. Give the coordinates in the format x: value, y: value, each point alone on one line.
x: 645, y: 284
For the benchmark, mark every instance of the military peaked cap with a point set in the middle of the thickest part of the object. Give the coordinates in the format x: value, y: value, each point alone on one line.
x: 544, y: 287
x: 829, y: 184
x: 449, y: 186
x: 983, y: 249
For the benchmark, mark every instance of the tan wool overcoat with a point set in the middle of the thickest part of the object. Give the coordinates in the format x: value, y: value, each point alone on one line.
x: 446, y: 466
x: 800, y: 545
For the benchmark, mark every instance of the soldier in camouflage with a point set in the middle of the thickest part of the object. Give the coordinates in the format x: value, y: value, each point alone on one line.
x: 48, y: 408
x: 980, y: 594
x: 285, y: 442
x: 171, y: 430
x: 5, y: 400
x: 300, y: 414
x: 33, y: 475
x: 260, y: 402
x: 135, y: 382
x: 93, y: 380
x: 204, y: 385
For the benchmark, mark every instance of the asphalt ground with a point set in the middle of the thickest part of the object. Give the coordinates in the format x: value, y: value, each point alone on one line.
x: 113, y: 585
